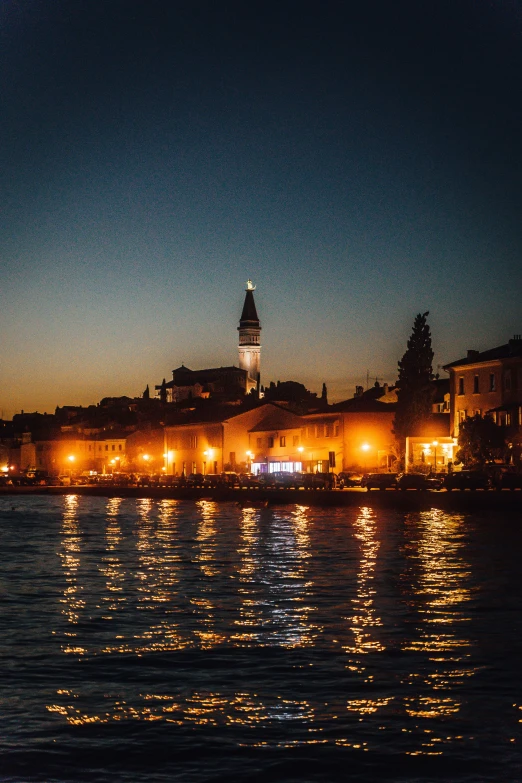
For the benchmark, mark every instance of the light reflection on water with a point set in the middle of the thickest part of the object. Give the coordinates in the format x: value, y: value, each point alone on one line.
x: 439, y: 591
x: 335, y: 628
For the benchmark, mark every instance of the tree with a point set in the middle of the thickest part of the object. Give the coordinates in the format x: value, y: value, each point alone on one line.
x: 415, y: 388
x: 480, y: 440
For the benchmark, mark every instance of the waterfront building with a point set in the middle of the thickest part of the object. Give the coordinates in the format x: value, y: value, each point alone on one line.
x: 367, y: 430
x: 488, y: 383
x: 271, y: 437
x: 70, y: 454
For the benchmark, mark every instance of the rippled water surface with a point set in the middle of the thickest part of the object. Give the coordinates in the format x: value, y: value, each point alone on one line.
x: 146, y: 640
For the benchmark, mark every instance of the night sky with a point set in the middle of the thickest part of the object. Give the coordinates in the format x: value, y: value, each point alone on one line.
x: 359, y: 161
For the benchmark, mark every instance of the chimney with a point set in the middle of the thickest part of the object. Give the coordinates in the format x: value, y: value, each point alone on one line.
x: 358, y: 391
x: 472, y: 355
x: 515, y: 344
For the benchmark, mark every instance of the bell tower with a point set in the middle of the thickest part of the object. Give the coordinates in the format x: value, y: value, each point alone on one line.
x: 249, y: 333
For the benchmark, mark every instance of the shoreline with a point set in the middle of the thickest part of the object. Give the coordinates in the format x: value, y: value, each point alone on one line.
x: 505, y: 500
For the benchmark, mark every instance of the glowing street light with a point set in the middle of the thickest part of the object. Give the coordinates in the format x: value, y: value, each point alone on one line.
x: 365, y: 448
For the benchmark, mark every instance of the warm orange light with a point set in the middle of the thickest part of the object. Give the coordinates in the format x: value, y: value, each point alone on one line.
x: 300, y: 449
x: 435, y: 443
x: 146, y: 457
x: 71, y: 457
x: 365, y: 447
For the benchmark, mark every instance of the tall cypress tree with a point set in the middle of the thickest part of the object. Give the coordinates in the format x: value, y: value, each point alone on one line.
x: 415, y: 393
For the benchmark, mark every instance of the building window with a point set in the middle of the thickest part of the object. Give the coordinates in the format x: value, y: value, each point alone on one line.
x: 120, y: 447
x: 282, y: 440
x: 106, y: 447
x: 295, y: 440
x: 194, y: 468
x: 193, y: 441
x: 259, y: 442
x: 90, y: 447
x: 492, y: 382
x: 336, y: 429
x: 270, y: 442
x: 462, y: 416
x: 507, y: 380
x: 319, y: 429
x: 476, y: 384
x: 461, y: 385
x: 327, y: 430
x: 113, y: 447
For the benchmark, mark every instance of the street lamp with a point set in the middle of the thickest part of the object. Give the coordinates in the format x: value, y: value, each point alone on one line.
x: 70, y: 459
x: 365, y: 448
x: 250, y: 458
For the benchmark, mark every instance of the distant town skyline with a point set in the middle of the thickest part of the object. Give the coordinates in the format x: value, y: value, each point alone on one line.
x: 359, y: 162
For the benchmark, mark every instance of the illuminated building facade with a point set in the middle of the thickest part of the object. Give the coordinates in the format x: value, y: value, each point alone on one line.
x: 272, y: 438
x: 488, y: 383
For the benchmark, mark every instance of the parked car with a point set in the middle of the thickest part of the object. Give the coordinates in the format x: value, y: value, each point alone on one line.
x: 230, y: 478
x: 435, y: 480
x: 34, y: 478
x: 417, y: 481
x: 279, y: 479
x: 169, y: 481
x: 320, y: 480
x: 467, y: 479
x: 349, y: 479
x: 380, y: 481
x: 195, y: 480
x: 509, y: 480
x: 248, y: 480
x: 213, y: 480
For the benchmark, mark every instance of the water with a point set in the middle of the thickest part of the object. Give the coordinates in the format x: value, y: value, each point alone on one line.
x: 146, y: 640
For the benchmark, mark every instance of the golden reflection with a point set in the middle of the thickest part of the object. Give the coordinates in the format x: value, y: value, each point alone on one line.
x: 198, y: 709
x: 365, y: 620
x: 72, y: 603
x: 158, y: 577
x: 368, y: 706
x: 251, y: 602
x: 111, y: 567
x: 438, y: 579
x: 289, y: 589
x: 207, y: 609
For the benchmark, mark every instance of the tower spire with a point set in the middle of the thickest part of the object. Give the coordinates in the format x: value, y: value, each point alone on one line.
x: 249, y: 333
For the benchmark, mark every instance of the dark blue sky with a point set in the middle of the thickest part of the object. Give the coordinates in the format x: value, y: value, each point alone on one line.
x: 361, y: 162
